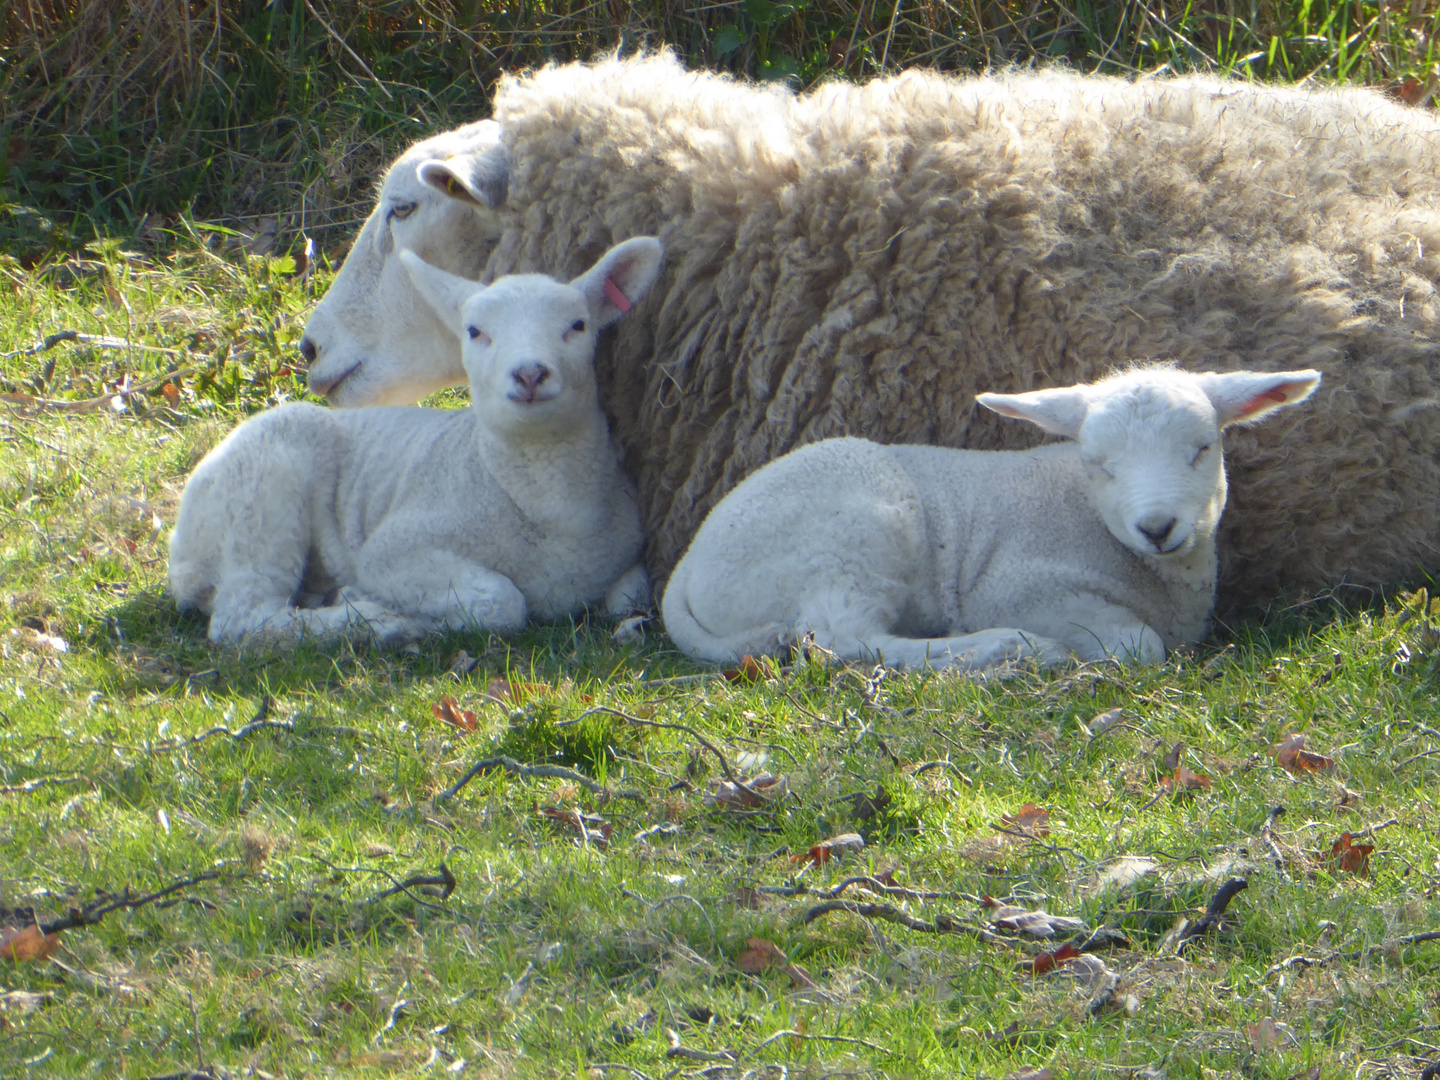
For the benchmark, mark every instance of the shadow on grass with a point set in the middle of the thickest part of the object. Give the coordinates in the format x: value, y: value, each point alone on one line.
x: 154, y: 647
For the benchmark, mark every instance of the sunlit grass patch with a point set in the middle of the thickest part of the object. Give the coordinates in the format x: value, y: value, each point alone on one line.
x: 641, y: 876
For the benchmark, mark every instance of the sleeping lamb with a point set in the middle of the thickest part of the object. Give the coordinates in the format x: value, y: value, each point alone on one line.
x: 1102, y: 546
x: 420, y: 519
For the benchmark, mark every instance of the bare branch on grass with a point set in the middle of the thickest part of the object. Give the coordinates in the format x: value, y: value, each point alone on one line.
x: 510, y: 765
x: 101, y: 341
x: 1269, y: 840
x: 1213, y: 914
x: 610, y: 1066
x: 730, y: 774
x: 869, y: 884
x: 91, y: 914
x: 943, y: 924
x: 442, y: 878
x: 33, y: 785
x: 1300, y: 963
x: 100, y: 400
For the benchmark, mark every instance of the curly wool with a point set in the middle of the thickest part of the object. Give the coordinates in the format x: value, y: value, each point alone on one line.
x: 861, y: 260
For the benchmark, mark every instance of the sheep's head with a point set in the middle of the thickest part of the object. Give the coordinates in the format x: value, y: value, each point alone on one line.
x: 528, y: 341
x: 1150, y: 442
x: 373, y: 340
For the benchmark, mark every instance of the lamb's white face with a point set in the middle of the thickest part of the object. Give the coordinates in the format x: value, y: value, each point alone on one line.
x: 528, y: 341
x: 528, y: 346
x: 1152, y: 454
x: 373, y: 340
x: 1150, y: 443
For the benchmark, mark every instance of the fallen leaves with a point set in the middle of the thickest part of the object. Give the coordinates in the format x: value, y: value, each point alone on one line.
x: 1183, y: 778
x: 1345, y: 854
x: 742, y: 794
x: 588, y: 828
x: 1030, y: 819
x: 449, y: 710
x: 1290, y: 754
x: 834, y: 848
x: 1049, y: 961
x: 1270, y: 1034
x: 752, y: 669
x: 25, y: 943
x: 761, y: 956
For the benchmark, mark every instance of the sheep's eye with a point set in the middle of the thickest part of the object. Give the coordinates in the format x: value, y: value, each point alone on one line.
x: 402, y: 210
x: 473, y: 331
x: 578, y: 326
x: 1199, y: 454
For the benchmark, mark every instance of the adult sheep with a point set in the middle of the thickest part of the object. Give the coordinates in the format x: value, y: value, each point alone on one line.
x: 861, y: 260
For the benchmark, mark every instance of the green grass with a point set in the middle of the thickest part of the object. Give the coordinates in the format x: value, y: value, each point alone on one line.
x: 554, y: 953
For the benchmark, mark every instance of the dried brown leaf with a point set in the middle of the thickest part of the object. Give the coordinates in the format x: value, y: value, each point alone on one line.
x: 588, y: 828
x: 1345, y: 854
x: 1269, y: 1034
x: 449, y: 710
x: 834, y: 848
x: 1049, y: 961
x: 1031, y: 819
x: 761, y: 791
x: 21, y: 944
x: 1291, y: 755
x: 1184, y: 779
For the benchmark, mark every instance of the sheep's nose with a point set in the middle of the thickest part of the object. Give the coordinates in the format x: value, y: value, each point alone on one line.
x: 530, y: 376
x: 308, y: 350
x: 1155, y: 530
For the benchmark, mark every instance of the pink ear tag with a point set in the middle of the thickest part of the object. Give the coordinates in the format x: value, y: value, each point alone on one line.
x: 617, y: 297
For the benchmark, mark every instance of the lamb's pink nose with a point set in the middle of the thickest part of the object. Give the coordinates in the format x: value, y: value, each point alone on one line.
x: 528, y: 378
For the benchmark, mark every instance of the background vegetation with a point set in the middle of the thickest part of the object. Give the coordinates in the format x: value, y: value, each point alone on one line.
x: 118, y: 114
x: 616, y: 905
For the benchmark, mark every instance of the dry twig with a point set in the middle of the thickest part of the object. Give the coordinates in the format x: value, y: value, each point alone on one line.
x: 943, y: 924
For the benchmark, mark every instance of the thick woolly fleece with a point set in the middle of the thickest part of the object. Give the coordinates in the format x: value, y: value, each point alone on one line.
x: 1101, y: 547
x: 861, y: 260
x: 414, y: 520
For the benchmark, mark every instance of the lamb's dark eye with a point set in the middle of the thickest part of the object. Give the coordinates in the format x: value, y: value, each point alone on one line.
x: 578, y: 326
x: 473, y: 331
x: 1199, y: 454
x: 402, y: 210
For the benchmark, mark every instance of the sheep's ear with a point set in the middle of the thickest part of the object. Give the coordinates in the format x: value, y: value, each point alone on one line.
x: 480, y: 176
x: 621, y: 278
x: 443, y: 291
x: 1242, y: 396
x: 1060, y: 411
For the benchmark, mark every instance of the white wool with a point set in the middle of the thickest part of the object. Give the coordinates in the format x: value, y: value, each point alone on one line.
x: 1102, y: 546
x: 399, y: 521
x: 862, y: 259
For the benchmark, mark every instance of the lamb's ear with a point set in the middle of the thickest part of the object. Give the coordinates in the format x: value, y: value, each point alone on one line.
x: 1242, y: 396
x: 1060, y: 411
x: 621, y: 278
x: 442, y: 290
x: 479, y: 174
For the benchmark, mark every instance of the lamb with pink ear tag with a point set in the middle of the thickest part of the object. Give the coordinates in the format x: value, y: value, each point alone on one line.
x: 394, y: 522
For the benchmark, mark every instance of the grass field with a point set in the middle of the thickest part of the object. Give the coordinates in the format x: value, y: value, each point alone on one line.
x: 631, y: 910
x: 266, y: 864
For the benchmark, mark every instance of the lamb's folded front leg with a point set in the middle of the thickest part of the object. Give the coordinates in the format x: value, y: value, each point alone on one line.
x: 630, y: 593
x: 438, y: 589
